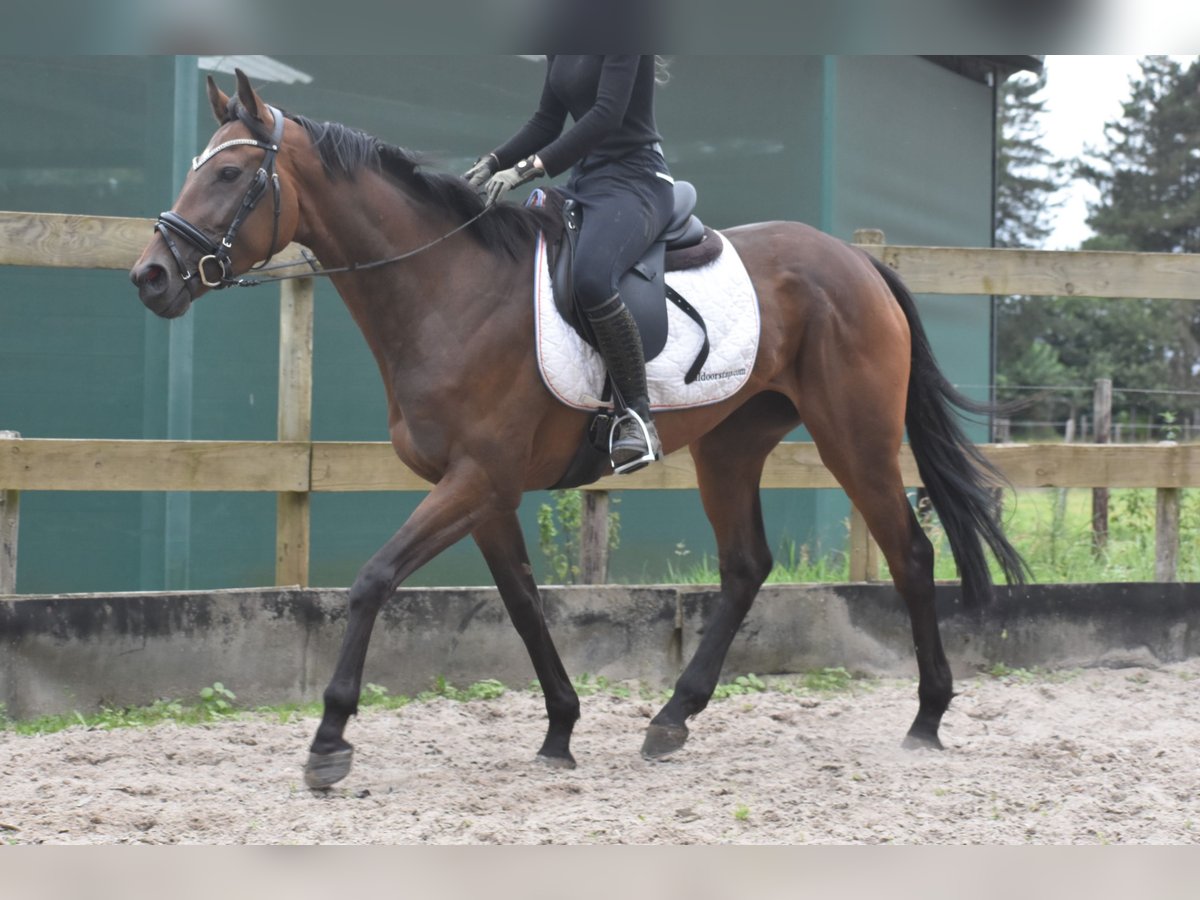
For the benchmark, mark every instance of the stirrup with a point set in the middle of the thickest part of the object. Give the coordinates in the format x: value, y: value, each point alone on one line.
x: 640, y: 462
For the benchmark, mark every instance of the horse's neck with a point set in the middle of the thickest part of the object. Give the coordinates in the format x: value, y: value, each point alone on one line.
x: 413, y: 312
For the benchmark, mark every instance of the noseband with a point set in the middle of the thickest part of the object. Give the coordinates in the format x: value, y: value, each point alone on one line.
x: 216, y: 256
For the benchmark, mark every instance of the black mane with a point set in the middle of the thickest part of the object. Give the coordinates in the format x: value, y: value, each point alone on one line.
x: 343, y: 151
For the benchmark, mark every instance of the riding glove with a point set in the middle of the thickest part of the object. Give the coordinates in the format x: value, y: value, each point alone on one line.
x: 484, y: 168
x: 523, y: 172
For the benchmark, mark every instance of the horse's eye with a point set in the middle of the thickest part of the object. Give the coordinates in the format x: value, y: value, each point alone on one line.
x: 229, y: 173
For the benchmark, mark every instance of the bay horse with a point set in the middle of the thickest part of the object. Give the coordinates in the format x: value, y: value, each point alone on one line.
x: 440, y: 287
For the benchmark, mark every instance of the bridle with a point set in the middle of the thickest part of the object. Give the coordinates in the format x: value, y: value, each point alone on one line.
x: 218, y: 254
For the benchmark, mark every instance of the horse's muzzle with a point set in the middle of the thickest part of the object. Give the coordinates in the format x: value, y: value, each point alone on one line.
x: 158, y: 291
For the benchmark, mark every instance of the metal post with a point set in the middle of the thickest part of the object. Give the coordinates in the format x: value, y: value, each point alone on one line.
x: 181, y: 340
x: 10, y: 521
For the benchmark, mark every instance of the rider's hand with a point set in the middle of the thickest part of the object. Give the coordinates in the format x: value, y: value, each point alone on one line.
x: 484, y: 168
x: 524, y: 171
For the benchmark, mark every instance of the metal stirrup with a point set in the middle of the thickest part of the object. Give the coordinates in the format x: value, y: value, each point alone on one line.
x: 646, y: 458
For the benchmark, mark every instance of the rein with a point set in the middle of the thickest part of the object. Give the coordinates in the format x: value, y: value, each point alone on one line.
x: 171, y: 223
x: 353, y: 267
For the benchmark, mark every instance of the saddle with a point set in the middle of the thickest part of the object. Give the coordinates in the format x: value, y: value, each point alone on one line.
x: 685, y: 243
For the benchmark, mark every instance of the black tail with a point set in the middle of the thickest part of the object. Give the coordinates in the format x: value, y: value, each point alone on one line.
x: 961, y: 483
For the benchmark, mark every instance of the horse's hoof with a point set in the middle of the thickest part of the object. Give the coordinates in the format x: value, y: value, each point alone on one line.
x: 327, y: 769
x: 556, y: 762
x: 663, y: 740
x: 913, y: 741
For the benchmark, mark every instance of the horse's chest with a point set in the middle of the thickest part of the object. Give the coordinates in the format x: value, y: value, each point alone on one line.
x: 418, y: 454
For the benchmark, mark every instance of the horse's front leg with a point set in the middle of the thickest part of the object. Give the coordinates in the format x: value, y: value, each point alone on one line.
x: 503, y: 547
x: 449, y: 512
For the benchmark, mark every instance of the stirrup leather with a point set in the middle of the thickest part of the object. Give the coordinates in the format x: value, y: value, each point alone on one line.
x: 629, y: 415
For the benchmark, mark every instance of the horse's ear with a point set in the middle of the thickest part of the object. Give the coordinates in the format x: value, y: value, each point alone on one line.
x: 219, y: 100
x: 250, y: 101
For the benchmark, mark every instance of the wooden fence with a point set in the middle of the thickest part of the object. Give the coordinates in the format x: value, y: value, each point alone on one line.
x: 294, y: 467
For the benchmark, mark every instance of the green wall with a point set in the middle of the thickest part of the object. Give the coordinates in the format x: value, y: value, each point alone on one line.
x: 891, y: 142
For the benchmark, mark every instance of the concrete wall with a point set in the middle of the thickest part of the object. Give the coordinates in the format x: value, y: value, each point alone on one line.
x: 78, y: 652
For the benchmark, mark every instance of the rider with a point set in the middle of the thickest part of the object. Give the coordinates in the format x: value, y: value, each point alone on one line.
x: 624, y: 189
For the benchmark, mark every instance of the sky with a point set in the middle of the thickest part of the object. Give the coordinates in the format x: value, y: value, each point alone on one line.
x: 1082, y: 93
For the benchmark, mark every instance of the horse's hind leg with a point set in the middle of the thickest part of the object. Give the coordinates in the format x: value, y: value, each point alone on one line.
x: 729, y: 462
x: 859, y: 442
x: 891, y: 520
x: 503, y: 547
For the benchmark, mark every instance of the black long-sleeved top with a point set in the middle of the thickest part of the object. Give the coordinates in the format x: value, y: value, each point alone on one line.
x: 611, y: 99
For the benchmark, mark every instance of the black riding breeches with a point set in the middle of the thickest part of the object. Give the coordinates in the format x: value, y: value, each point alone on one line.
x: 626, y: 204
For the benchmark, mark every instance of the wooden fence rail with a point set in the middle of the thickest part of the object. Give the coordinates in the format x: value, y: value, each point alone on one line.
x: 295, y: 469
x: 52, y: 464
x: 294, y: 466
x: 105, y: 242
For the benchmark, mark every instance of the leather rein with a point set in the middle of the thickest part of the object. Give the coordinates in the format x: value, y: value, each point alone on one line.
x: 217, y: 255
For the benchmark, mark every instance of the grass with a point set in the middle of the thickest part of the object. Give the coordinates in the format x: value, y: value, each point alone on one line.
x: 1051, y: 528
x: 793, y: 565
x: 217, y: 702
x: 108, y: 718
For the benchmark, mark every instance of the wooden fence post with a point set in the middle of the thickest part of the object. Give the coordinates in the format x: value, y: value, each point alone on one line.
x: 1166, y: 535
x: 864, y: 552
x: 593, y: 538
x: 10, y: 522
x: 295, y: 424
x: 1102, y: 413
x: 1166, y: 530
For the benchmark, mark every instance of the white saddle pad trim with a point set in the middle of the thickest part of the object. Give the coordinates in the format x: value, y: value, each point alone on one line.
x: 722, y: 293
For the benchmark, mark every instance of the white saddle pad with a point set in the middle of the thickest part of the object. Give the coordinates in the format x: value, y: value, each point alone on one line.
x: 721, y: 291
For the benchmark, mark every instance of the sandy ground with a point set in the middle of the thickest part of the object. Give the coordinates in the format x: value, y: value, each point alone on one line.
x: 1092, y: 757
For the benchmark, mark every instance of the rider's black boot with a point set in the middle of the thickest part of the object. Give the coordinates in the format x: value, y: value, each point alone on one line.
x: 634, y: 442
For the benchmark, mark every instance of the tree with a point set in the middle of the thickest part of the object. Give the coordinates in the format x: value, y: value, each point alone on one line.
x: 1027, y: 177
x: 1149, y: 182
x: 1148, y: 176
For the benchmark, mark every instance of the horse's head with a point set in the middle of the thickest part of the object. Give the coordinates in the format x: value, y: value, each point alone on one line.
x: 235, y: 209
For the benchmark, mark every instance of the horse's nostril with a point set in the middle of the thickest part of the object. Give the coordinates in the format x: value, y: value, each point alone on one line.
x: 150, y: 276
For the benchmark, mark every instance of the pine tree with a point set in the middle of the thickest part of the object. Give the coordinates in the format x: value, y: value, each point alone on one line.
x: 1149, y: 182
x: 1149, y: 174
x: 1028, y: 176
x: 1027, y: 179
